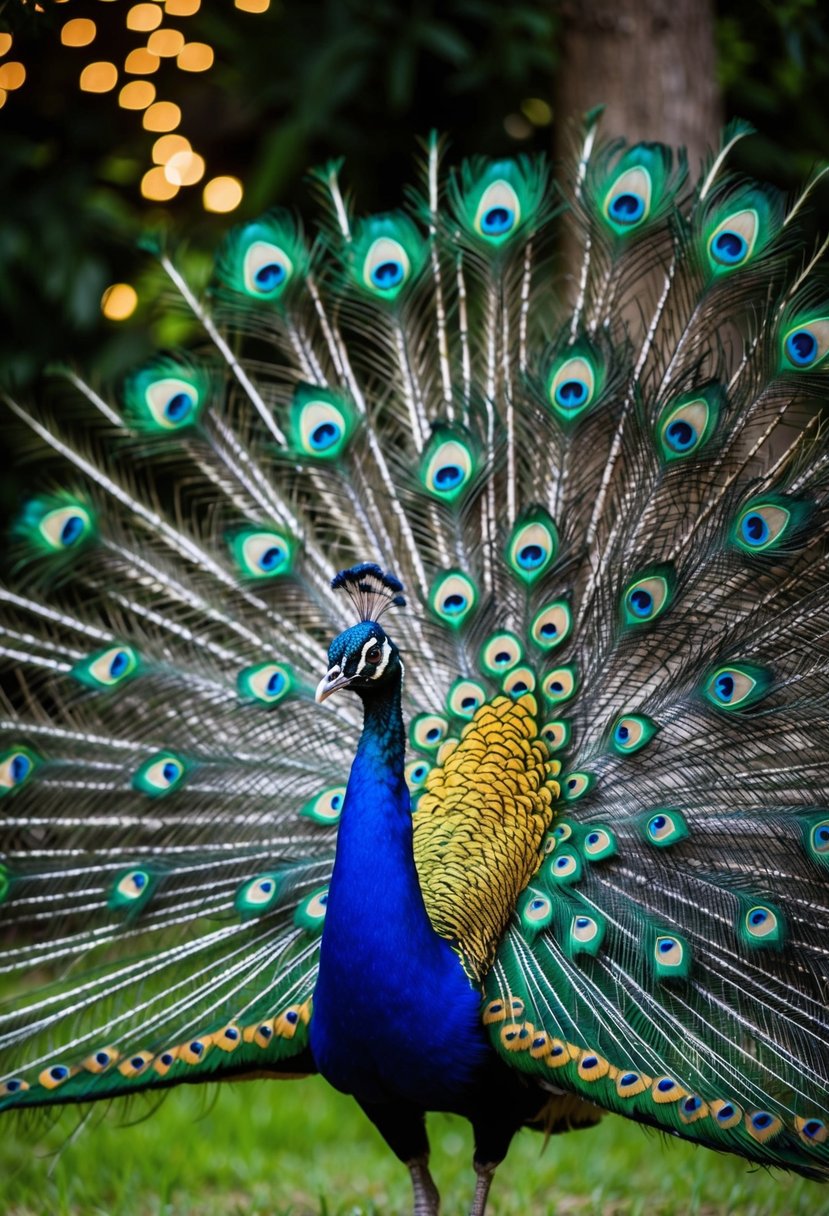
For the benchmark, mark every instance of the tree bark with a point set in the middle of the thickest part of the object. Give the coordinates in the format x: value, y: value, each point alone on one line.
x: 651, y: 63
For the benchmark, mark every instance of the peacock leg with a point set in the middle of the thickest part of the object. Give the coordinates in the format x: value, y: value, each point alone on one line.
x: 484, y: 1175
x: 426, y: 1197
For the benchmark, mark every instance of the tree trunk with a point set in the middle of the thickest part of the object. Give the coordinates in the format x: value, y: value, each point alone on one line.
x: 651, y: 63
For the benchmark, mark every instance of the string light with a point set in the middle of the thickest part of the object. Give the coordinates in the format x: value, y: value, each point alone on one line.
x: 184, y: 168
x: 195, y: 57
x: 165, y: 43
x: 119, y: 301
x: 144, y: 17
x: 154, y: 185
x: 12, y: 75
x: 182, y: 8
x: 253, y: 6
x: 99, y: 77
x: 141, y: 63
x: 136, y: 95
x: 168, y: 146
x: 162, y: 116
x: 80, y: 31
x: 222, y: 194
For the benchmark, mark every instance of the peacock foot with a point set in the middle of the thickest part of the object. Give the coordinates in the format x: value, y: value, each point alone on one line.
x: 426, y: 1197
x: 485, y: 1174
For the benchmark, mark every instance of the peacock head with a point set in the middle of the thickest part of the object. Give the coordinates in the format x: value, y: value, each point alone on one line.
x: 364, y: 658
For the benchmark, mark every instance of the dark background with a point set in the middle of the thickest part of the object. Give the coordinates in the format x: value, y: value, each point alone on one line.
x: 312, y: 79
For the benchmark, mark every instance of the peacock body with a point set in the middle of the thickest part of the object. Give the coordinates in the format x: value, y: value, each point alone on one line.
x: 576, y: 860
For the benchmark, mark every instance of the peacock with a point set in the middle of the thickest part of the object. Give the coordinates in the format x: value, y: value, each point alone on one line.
x: 546, y: 834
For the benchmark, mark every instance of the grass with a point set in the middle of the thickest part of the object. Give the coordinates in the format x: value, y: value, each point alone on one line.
x: 299, y: 1149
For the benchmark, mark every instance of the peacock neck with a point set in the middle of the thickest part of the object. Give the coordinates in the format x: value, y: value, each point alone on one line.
x: 376, y: 825
x: 381, y: 961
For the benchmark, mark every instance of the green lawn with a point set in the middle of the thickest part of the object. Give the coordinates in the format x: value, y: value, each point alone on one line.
x: 297, y: 1149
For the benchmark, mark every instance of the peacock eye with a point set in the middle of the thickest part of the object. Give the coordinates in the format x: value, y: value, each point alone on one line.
x: 374, y: 655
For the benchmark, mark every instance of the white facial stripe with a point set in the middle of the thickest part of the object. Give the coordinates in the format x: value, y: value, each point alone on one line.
x: 374, y: 670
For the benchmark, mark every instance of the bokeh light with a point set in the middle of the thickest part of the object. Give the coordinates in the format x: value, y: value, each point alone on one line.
x: 136, y: 95
x: 222, y: 194
x: 5, y: 43
x: 154, y: 185
x: 253, y: 6
x: 140, y: 62
x: 12, y: 75
x: 195, y: 57
x: 165, y: 43
x: 182, y: 8
x: 538, y: 111
x: 119, y: 301
x: 162, y: 116
x: 99, y: 77
x: 168, y: 146
x: 144, y: 17
x: 184, y: 168
x: 80, y: 31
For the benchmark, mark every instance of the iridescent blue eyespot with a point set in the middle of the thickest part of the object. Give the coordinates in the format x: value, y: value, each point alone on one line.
x: 269, y: 276
x: 448, y: 476
x: 691, y: 1104
x: 811, y: 1128
x: 621, y: 734
x: 119, y: 664
x: 641, y: 602
x: 454, y: 604
x: 629, y: 1078
x: 571, y: 394
x: 728, y: 247
x: 725, y: 1112
x: 178, y: 407
x: 680, y: 435
x: 665, y: 1085
x: 387, y: 274
x: 802, y: 347
x: 666, y: 945
x: 71, y: 530
x: 754, y: 529
x: 626, y: 208
x: 21, y: 766
x: 497, y: 220
x: 724, y: 687
x: 531, y: 557
x: 58, y: 1072
x: 761, y: 1120
x: 325, y: 436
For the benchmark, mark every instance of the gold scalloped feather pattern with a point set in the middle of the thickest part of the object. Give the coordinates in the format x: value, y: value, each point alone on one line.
x: 479, y: 826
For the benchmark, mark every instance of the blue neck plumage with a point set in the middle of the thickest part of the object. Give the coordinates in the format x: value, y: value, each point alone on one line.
x: 384, y: 972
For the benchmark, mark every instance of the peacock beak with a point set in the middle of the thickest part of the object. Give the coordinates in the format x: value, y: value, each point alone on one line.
x: 330, y: 682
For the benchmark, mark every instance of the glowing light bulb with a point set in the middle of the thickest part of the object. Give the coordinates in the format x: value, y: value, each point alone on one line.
x: 136, y: 95
x: 165, y: 43
x: 184, y: 168
x: 167, y: 146
x: 222, y: 194
x: 144, y: 17
x: 80, y: 31
x: 99, y: 77
x: 195, y: 57
x: 154, y: 186
x: 162, y: 116
x: 119, y: 301
x: 12, y: 75
x: 140, y: 62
